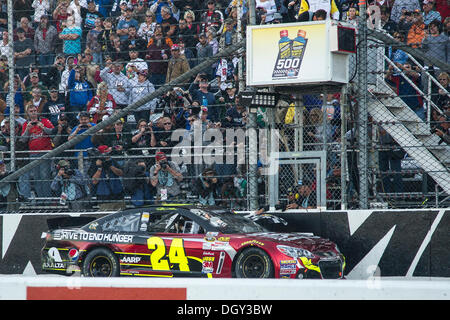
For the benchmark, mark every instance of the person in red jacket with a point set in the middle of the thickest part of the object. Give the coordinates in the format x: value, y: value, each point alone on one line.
x: 102, y: 104
x: 36, y: 131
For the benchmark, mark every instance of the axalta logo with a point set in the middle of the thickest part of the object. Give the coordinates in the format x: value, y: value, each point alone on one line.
x: 130, y: 260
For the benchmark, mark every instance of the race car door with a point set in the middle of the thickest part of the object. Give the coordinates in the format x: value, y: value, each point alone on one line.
x: 173, y: 252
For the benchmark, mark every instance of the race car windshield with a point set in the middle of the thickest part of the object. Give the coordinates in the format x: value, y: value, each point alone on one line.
x: 234, y: 224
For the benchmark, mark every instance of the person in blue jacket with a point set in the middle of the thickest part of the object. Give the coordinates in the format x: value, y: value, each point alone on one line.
x: 80, y: 93
x: 199, y: 91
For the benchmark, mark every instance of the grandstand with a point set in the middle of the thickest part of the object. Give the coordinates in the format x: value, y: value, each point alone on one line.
x: 139, y: 102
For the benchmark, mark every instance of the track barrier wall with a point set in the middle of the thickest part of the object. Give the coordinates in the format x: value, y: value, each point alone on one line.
x: 70, y: 288
x: 376, y: 243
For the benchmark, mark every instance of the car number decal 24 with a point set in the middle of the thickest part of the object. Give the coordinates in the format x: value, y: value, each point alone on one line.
x: 162, y: 262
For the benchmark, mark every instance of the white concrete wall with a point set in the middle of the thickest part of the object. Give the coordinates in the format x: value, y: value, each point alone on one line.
x: 44, y: 287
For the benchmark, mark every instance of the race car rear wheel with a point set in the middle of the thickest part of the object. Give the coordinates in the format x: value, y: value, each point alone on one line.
x: 254, y: 263
x: 101, y: 262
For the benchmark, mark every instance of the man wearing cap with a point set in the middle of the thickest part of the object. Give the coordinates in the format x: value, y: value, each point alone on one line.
x: 71, y: 186
x: 157, y: 5
x: 45, y: 43
x: 80, y: 92
x: 199, y: 91
x: 62, y: 131
x: 37, y: 133
x: 204, y: 50
x: 212, y: 17
x: 23, y: 53
x: 35, y: 83
x: 86, y: 143
x: 416, y: 32
x: 405, y: 5
x: 178, y: 64
x: 429, y: 14
x: 166, y: 176
x: 124, y: 24
x: 119, y: 85
x: 54, y: 105
x: 142, y: 87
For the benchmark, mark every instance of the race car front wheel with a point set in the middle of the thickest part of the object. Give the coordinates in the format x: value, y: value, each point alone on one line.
x: 254, y: 263
x: 101, y: 262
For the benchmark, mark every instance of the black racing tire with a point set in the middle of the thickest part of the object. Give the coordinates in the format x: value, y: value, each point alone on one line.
x: 101, y: 262
x: 253, y: 263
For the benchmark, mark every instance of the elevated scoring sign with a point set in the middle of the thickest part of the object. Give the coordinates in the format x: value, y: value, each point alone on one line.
x: 299, y: 53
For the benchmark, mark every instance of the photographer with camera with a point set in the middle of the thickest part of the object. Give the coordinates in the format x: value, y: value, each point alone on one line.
x: 142, y: 138
x: 166, y: 178
x: 105, y: 173
x: 136, y: 183
x: 206, y: 186
x: 71, y: 187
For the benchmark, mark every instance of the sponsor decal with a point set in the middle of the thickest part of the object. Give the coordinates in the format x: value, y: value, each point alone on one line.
x: 128, y: 260
x: 252, y: 242
x: 288, y: 267
x: 208, y: 265
x: 215, y: 245
x: 73, y: 254
x: 53, y: 265
x: 87, y: 236
x: 93, y: 226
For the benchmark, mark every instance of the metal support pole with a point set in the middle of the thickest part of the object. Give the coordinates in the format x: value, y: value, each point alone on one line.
x: 10, y: 102
x: 362, y: 107
x: 252, y: 138
x: 344, y: 110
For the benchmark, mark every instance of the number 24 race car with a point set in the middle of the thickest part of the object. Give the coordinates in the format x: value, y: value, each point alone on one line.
x: 187, y: 241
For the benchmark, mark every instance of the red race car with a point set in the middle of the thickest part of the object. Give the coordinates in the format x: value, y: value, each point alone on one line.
x: 187, y: 241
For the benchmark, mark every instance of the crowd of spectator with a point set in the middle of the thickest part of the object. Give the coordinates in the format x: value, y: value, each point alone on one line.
x: 79, y: 62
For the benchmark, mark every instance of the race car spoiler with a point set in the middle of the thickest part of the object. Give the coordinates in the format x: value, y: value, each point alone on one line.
x: 69, y: 222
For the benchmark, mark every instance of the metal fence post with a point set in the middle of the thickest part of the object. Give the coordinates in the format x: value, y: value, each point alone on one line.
x: 362, y: 106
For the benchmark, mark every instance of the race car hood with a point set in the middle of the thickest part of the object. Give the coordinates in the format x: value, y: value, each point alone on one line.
x: 304, y: 240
